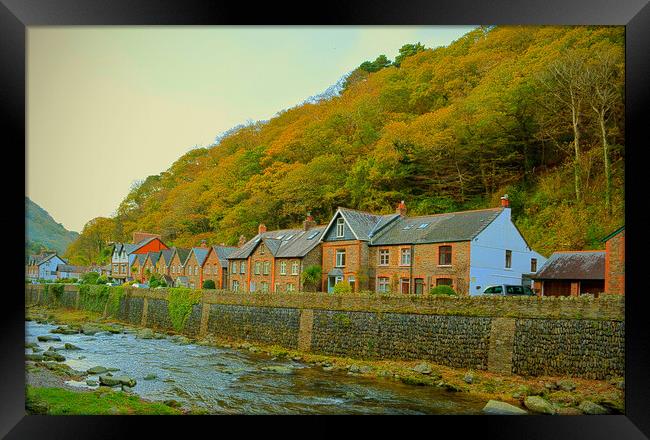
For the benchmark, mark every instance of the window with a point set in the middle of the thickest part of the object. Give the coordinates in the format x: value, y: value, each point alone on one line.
x: 196, y: 270
x: 257, y: 268
x: 405, y: 257
x: 340, y: 225
x: 242, y: 267
x: 265, y: 286
x: 291, y: 287
x: 235, y: 285
x: 405, y: 285
x: 252, y: 286
x: 444, y: 256
x: 340, y: 258
x: 419, y: 286
x: 234, y: 267
x: 533, y: 264
x: 294, y: 268
x: 266, y: 268
x: 277, y: 287
x: 283, y: 268
x: 508, y: 259
x: 444, y: 282
x: 207, y: 270
x: 384, y: 255
x: 313, y: 234
x: 352, y: 282
x: 423, y: 225
x: 514, y: 290
x: 262, y: 252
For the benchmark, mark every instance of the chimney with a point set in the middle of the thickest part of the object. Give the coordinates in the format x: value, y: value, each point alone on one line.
x: 204, y: 244
x: 308, y: 223
x: 505, y: 203
x: 401, y: 209
x: 242, y: 241
x: 261, y: 228
x: 222, y: 244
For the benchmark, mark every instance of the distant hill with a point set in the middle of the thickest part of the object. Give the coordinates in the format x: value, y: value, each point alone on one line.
x: 43, y: 232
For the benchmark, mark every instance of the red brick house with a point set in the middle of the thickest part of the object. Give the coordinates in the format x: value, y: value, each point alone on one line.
x: 123, y: 257
x: 572, y: 273
x: 193, y: 265
x: 177, y: 264
x: 273, y: 261
x: 615, y: 262
x: 215, y: 266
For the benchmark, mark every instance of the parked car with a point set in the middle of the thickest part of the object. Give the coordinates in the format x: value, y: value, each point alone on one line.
x: 508, y: 289
x: 141, y: 285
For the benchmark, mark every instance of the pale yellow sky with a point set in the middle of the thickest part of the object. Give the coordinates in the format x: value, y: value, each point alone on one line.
x: 109, y: 105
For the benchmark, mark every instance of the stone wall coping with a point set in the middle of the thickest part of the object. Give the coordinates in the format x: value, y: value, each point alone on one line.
x: 606, y: 307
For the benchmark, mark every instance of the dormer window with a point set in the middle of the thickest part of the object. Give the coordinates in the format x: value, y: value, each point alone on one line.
x: 340, y: 224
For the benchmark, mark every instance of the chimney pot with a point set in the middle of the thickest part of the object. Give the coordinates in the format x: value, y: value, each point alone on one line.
x: 309, y: 222
x: 401, y: 209
x: 242, y: 240
x: 261, y: 228
x: 505, y: 203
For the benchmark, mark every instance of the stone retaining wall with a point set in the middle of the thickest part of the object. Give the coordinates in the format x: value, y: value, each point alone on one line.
x: 581, y: 337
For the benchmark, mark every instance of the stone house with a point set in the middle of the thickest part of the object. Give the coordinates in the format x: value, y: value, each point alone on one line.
x: 274, y: 261
x: 43, y: 266
x: 177, y: 264
x: 615, y: 262
x: 164, y: 262
x: 467, y: 250
x: 137, y: 267
x: 193, y: 265
x: 572, y: 273
x: 215, y: 266
x: 150, y: 265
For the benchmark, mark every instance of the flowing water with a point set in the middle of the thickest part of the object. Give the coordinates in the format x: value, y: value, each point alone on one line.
x: 231, y: 381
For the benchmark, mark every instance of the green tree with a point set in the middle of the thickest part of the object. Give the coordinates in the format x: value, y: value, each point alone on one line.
x: 89, y: 278
x: 209, y: 284
x: 406, y: 51
x: 311, y: 277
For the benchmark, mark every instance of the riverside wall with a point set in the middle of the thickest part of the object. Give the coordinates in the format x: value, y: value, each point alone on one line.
x: 529, y: 336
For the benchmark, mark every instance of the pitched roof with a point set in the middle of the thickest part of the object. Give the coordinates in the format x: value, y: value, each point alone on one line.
x: 437, y: 228
x: 364, y: 224
x: 70, y: 268
x: 576, y: 265
x: 141, y: 258
x: 183, y: 253
x: 154, y: 256
x: 222, y: 253
x: 283, y: 243
x: 44, y: 258
x: 167, y: 255
x: 200, y: 254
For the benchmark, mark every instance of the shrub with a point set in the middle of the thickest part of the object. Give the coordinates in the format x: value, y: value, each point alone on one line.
x: 153, y: 283
x: 180, y: 304
x: 114, y: 299
x: 93, y: 297
x: 101, y: 280
x: 442, y: 290
x: 311, y: 276
x: 89, y: 278
x: 342, y: 287
x: 209, y: 284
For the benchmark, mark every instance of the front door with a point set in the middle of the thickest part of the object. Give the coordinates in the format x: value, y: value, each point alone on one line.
x: 406, y: 286
x: 331, y: 282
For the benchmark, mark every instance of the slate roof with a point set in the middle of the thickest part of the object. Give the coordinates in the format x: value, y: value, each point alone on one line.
x: 613, y: 234
x: 447, y: 227
x: 200, y: 254
x: 37, y: 260
x: 70, y: 268
x: 283, y: 243
x: 167, y: 255
x: 141, y: 258
x: 223, y: 252
x: 183, y: 253
x: 588, y: 265
x: 364, y: 224
x: 154, y: 257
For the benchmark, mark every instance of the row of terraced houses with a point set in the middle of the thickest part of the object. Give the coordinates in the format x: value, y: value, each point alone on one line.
x: 467, y: 250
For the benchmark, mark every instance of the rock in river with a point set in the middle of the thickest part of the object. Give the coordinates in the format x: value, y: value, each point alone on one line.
x: 69, y: 346
x: 90, y: 330
x: 503, y: 408
x: 54, y: 355
x: 97, y: 370
x: 145, y: 333
x: 34, y: 357
x: 423, y: 368
x: 112, y: 381
x: 592, y: 408
x: 278, y: 369
x: 539, y: 405
x: 150, y: 377
x: 48, y: 338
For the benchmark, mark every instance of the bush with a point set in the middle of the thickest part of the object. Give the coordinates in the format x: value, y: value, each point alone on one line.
x: 102, y: 280
x: 179, y: 305
x: 442, y: 290
x: 209, y: 284
x: 89, y: 278
x: 153, y: 283
x: 311, y: 276
x: 342, y: 287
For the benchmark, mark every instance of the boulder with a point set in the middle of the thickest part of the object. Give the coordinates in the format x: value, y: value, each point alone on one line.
x: 365, y: 369
x: 92, y: 383
x: 35, y: 357
x: 97, y: 370
x: 36, y: 349
x: 539, y: 405
x: 180, y: 339
x: 112, y: 381
x: 48, y: 338
x: 566, y: 385
x: 592, y: 408
x: 54, y: 355
x: 31, y: 344
x: 468, y: 378
x: 172, y: 403
x: 328, y: 368
x: 354, y: 369
x: 569, y: 411
x: 422, y: 368
x: 278, y: 369
x: 150, y: 376
x: 502, y: 408
x: 90, y: 330
x: 145, y: 333
x: 65, y: 330
x: 69, y: 346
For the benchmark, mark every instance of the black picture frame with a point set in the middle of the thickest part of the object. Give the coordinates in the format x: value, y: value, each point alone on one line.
x: 16, y: 15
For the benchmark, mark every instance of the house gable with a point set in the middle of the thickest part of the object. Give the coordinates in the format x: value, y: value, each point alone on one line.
x: 330, y: 229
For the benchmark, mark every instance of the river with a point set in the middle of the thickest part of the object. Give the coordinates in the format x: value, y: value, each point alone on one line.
x: 232, y: 381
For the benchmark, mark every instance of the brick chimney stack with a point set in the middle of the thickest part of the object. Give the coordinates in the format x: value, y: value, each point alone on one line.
x: 401, y: 209
x: 204, y: 244
x: 505, y: 203
x: 309, y: 222
x: 261, y: 228
x: 242, y: 241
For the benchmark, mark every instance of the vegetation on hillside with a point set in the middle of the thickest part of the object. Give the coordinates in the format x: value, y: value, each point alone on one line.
x: 43, y: 233
x: 534, y: 112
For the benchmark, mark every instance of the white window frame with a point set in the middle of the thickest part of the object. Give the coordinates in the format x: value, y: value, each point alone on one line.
x: 235, y: 285
x: 242, y: 267
x: 404, y: 252
x: 383, y: 286
x: 266, y: 268
x: 257, y: 268
x: 340, y: 227
x: 384, y: 253
x: 290, y: 287
x: 340, y: 252
x: 508, y: 262
x: 283, y: 268
x: 294, y: 268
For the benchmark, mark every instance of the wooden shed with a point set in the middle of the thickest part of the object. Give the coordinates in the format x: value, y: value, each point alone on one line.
x: 572, y: 273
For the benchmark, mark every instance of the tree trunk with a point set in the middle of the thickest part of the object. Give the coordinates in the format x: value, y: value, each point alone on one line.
x: 575, y: 113
x: 608, y: 176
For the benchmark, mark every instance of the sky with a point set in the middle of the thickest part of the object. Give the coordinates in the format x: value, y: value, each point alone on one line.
x: 107, y: 106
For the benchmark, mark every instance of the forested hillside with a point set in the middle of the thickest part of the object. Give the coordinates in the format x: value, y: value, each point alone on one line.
x: 535, y: 112
x: 43, y: 233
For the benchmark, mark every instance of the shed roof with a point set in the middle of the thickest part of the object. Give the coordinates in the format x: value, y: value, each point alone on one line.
x: 613, y: 234
x: 574, y: 265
